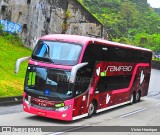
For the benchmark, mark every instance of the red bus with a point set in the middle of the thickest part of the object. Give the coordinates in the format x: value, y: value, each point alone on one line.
x: 70, y: 77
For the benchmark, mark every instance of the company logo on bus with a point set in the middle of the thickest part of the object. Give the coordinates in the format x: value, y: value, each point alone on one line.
x: 43, y: 97
x: 113, y: 69
x: 119, y: 68
x: 43, y: 103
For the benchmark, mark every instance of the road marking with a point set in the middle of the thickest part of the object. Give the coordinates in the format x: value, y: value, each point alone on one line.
x: 131, y: 113
x: 68, y: 130
x: 158, y: 103
x: 57, y: 133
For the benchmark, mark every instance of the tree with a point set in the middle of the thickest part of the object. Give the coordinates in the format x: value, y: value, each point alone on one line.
x: 128, y: 21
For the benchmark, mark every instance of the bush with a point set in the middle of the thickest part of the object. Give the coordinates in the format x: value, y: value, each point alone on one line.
x: 13, y: 38
x: 122, y: 40
x: 1, y: 30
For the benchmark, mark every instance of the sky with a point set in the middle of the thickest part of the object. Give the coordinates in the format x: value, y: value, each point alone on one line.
x: 154, y: 3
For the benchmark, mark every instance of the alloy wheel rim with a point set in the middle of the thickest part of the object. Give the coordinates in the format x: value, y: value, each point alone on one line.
x: 131, y: 99
x: 91, y: 109
x: 137, y: 96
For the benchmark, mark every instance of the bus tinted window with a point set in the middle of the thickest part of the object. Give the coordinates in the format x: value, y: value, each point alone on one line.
x: 96, y: 53
x: 99, y: 52
x: 113, y: 83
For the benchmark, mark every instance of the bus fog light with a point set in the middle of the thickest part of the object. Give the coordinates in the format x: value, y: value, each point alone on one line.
x: 61, y: 109
x: 64, y: 115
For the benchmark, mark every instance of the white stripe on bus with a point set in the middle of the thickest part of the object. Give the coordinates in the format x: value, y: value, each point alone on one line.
x: 80, y: 116
x: 114, y: 106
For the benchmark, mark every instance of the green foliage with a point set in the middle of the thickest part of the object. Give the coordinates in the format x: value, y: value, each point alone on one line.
x: 122, y: 40
x: 13, y: 38
x: 10, y: 50
x: 155, y: 42
x: 65, y: 21
x: 156, y: 59
x: 1, y: 30
x: 148, y: 41
x: 128, y: 21
x: 141, y: 38
x: 157, y: 10
x: 67, y: 14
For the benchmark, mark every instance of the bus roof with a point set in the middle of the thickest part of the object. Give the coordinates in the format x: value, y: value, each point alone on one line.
x: 84, y: 39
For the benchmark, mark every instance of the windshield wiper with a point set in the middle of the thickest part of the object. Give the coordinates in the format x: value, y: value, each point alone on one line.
x: 57, y: 95
x: 49, y: 59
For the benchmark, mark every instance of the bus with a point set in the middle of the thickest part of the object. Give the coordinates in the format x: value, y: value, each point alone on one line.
x: 70, y: 77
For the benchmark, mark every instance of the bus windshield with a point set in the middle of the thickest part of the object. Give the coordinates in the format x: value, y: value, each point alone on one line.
x: 63, y: 53
x: 48, y: 82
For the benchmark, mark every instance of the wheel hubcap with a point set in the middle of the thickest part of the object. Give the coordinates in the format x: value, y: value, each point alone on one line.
x: 132, y: 98
x: 91, y: 109
x: 137, y: 96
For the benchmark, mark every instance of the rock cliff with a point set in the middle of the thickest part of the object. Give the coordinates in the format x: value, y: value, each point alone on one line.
x: 41, y: 17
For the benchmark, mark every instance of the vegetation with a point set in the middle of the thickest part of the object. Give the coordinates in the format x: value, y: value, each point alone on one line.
x: 157, y: 10
x: 11, y: 48
x: 128, y: 21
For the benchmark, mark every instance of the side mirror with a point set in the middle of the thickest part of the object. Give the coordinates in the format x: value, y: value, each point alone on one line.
x: 18, y: 62
x: 74, y: 71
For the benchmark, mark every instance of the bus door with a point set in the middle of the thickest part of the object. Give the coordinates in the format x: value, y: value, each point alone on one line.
x: 81, y: 86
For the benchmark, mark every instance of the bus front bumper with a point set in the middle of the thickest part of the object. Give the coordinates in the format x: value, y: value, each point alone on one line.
x: 60, y: 115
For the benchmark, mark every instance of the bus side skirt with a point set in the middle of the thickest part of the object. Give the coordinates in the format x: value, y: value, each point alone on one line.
x: 101, y: 110
x: 114, y: 106
x: 80, y: 116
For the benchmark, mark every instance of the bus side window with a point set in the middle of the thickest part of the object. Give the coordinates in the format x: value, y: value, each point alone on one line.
x: 113, y: 83
x: 96, y: 52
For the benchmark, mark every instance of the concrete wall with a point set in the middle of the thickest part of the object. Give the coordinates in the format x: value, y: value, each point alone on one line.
x: 156, y: 64
x: 41, y: 17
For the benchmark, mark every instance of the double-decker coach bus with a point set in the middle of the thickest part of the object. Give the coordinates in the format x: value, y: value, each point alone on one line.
x: 70, y: 77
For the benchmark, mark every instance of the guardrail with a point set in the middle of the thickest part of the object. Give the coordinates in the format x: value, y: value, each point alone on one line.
x: 156, y: 64
x: 5, y: 101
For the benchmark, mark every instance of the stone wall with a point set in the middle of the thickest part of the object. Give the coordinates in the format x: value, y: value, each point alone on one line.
x: 41, y: 17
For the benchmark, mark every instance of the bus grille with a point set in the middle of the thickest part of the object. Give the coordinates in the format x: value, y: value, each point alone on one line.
x: 43, y: 108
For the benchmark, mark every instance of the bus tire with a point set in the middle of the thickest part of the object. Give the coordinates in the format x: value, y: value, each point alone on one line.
x: 138, y: 96
x: 132, y: 99
x: 91, y: 109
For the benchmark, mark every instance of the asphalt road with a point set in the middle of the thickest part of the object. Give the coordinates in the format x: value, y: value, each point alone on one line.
x: 145, y: 113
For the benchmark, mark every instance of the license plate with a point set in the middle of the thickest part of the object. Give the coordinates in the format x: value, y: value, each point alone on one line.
x: 41, y: 113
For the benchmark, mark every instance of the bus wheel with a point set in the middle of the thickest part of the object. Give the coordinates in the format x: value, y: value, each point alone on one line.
x: 138, y: 96
x: 91, y: 109
x: 132, y: 99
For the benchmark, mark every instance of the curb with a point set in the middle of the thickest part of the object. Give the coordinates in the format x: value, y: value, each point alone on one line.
x: 6, y: 101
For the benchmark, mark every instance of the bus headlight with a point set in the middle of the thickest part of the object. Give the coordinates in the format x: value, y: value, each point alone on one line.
x: 64, y: 108
x: 26, y: 101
